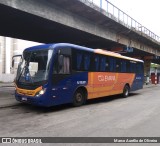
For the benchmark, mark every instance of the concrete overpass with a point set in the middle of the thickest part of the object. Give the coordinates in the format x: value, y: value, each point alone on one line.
x: 76, y: 21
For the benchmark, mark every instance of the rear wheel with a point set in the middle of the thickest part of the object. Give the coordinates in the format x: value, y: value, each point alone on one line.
x: 79, y: 98
x: 126, y: 90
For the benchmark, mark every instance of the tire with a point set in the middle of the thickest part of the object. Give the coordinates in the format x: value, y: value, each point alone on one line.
x: 79, y: 98
x: 126, y: 90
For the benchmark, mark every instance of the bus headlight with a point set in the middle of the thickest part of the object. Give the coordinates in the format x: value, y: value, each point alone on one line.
x: 41, y: 92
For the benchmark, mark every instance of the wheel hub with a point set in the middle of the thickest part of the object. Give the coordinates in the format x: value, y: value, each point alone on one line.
x: 79, y: 97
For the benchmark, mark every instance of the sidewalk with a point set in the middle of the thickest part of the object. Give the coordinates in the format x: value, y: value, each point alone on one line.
x: 150, y: 85
x: 10, y: 84
x: 7, y: 98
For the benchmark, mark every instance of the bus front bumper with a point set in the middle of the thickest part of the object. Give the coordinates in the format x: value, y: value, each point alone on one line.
x: 37, y: 101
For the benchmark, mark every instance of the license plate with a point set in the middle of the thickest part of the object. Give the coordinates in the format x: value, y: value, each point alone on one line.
x: 24, y: 99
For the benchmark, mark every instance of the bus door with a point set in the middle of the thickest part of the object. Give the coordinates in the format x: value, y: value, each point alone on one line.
x: 61, y: 78
x: 137, y: 68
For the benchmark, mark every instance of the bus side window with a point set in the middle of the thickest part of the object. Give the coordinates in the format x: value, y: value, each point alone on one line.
x: 55, y: 65
x: 107, y: 64
x: 128, y: 67
x: 139, y: 68
x: 87, y: 58
x: 63, y: 64
x: 103, y: 63
x: 133, y: 66
x: 79, y: 60
x: 112, y: 63
x: 118, y: 65
x: 96, y: 63
x: 77, y: 57
x: 123, y: 66
x: 66, y: 65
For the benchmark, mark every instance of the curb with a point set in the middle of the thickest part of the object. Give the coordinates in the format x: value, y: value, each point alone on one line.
x: 150, y: 86
x: 9, y: 105
x: 6, y: 86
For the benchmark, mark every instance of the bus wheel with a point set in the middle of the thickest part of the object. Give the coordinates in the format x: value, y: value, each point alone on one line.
x: 126, y: 91
x: 79, y: 98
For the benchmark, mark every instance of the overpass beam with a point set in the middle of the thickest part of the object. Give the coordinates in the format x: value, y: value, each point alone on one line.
x: 103, y: 28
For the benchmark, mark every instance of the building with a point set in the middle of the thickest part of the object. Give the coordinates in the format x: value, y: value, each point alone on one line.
x: 8, y: 48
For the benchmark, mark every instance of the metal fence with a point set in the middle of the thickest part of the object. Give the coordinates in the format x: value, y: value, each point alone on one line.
x: 121, y: 17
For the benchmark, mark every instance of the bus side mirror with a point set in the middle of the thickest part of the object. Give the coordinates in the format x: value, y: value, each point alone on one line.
x: 14, y: 58
x: 12, y: 63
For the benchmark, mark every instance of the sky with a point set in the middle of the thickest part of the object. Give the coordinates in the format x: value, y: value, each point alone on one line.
x: 146, y: 12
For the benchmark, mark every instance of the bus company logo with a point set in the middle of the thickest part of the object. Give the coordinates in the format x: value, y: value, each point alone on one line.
x: 105, y: 78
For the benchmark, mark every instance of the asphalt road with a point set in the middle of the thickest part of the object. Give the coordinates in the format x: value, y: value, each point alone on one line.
x: 135, y: 116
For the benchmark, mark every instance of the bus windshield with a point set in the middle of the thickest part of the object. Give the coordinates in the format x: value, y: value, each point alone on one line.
x: 35, y: 66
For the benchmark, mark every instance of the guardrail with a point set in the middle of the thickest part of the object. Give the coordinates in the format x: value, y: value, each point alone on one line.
x: 121, y: 17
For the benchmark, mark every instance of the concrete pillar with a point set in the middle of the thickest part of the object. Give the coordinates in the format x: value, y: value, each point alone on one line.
x: 8, y: 55
x: 147, y: 64
x: 1, y: 55
x: 101, y: 4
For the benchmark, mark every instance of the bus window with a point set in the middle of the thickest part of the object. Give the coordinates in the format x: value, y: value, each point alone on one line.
x: 112, y: 63
x: 64, y: 64
x: 118, y: 65
x: 123, y: 66
x: 139, y: 68
x: 107, y: 64
x: 96, y: 63
x: 33, y: 67
x: 133, y: 66
x: 86, y: 62
x: 55, y: 65
x: 128, y: 67
x: 81, y: 61
x: 103, y: 64
x: 78, y: 60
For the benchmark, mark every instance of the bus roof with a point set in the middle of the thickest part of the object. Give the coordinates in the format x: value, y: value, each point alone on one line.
x: 98, y: 51
x: 117, y: 55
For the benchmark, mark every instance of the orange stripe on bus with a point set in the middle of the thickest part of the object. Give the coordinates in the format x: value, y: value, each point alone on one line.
x: 105, y: 84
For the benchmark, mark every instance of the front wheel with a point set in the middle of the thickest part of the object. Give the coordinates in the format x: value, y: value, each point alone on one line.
x: 126, y: 91
x: 79, y: 98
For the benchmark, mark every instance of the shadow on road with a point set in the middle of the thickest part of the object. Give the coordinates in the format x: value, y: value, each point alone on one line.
x: 26, y: 108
